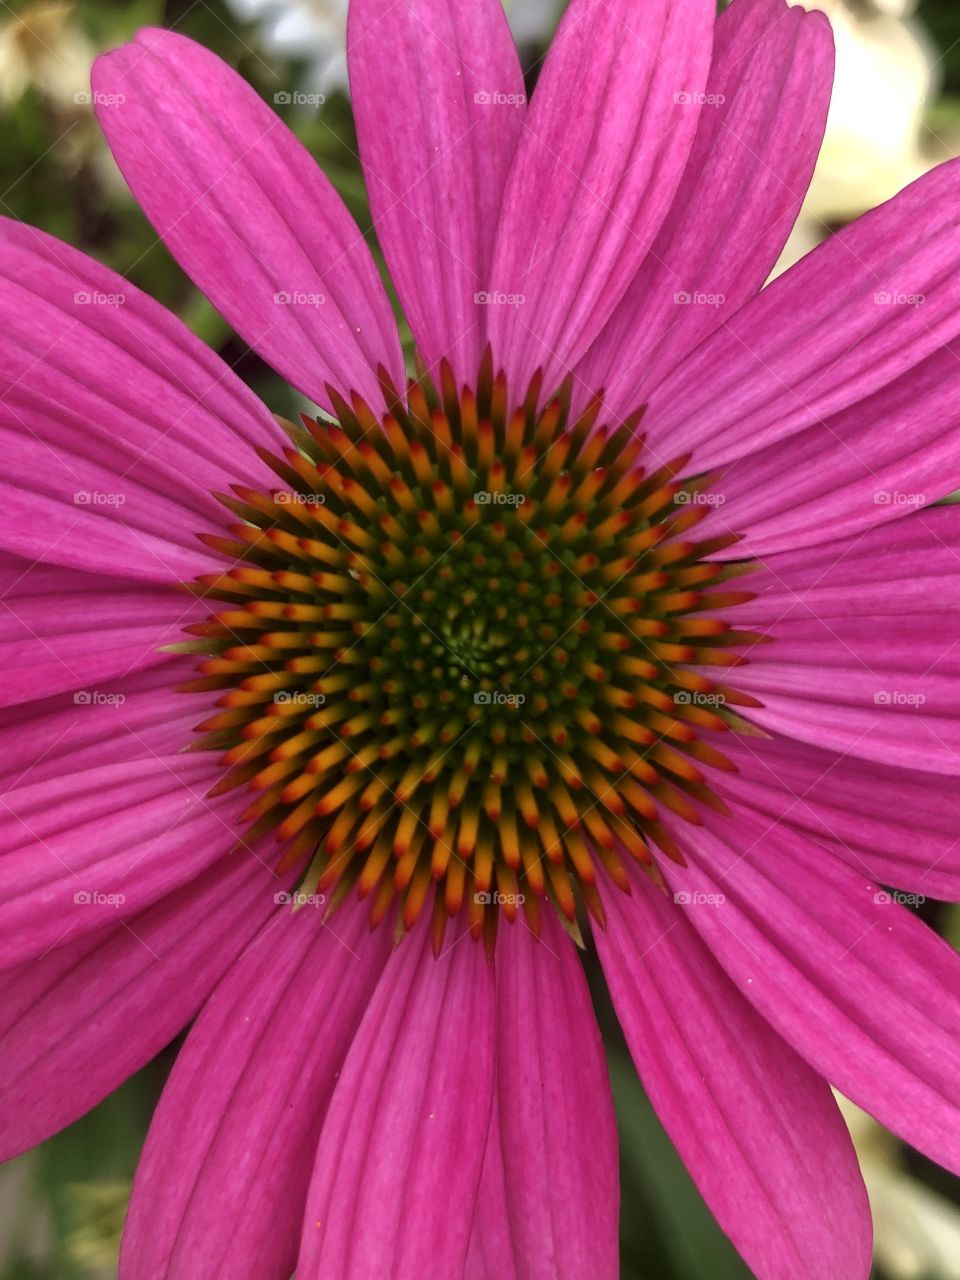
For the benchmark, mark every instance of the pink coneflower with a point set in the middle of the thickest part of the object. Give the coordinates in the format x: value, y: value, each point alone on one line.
x: 620, y: 620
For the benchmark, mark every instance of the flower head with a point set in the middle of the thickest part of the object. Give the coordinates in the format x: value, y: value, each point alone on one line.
x: 620, y: 618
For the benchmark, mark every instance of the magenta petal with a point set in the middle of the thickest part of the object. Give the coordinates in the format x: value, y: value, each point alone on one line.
x: 439, y: 102
x: 76, y: 1023
x: 399, y: 1159
x: 870, y: 303
x: 746, y: 177
x: 864, y: 656
x: 599, y: 160
x: 127, y: 719
x: 758, y: 1130
x: 220, y: 1188
x: 874, y: 462
x: 94, y: 848
x: 248, y: 215
x: 559, y: 1133
x: 115, y: 421
x: 861, y: 988
x: 898, y: 826
x: 491, y: 1255
x: 64, y: 630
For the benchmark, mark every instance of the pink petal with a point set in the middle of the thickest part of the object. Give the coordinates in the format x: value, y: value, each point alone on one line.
x: 860, y: 987
x: 127, y: 719
x: 439, y: 103
x: 750, y: 165
x: 221, y: 1186
x: 64, y: 630
x: 491, y: 1253
x: 94, y: 848
x: 241, y: 205
x: 898, y: 826
x: 115, y: 421
x: 864, y: 656
x: 822, y: 336
x: 872, y: 463
x: 559, y: 1133
x: 758, y: 1130
x: 399, y: 1159
x: 75, y: 1023
x: 601, y: 155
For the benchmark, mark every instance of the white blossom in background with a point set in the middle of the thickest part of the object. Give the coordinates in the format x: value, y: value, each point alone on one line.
x: 314, y: 31
x: 916, y: 1231
x: 42, y: 47
x: 886, y: 73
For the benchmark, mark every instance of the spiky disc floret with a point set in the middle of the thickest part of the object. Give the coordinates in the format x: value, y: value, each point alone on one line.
x: 464, y: 648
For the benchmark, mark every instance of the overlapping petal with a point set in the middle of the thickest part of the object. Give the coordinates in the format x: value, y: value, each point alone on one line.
x: 247, y: 214
x: 899, y: 826
x: 858, y: 985
x: 77, y: 1022
x: 747, y: 174
x: 869, y: 304
x: 602, y: 151
x: 409, y: 1116
x: 864, y: 655
x: 221, y: 1186
x: 102, y: 845
x: 757, y: 1128
x: 557, y: 1129
x: 439, y: 102
x: 115, y: 421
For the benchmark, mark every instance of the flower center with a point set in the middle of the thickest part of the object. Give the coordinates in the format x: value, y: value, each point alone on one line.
x: 462, y: 653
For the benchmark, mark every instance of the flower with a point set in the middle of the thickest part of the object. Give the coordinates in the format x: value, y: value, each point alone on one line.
x: 485, y: 657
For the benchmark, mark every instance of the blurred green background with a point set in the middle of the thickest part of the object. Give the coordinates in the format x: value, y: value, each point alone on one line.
x: 897, y: 110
